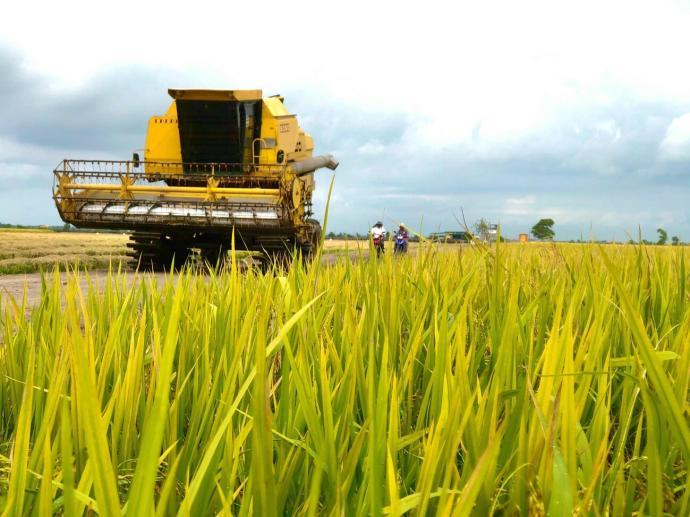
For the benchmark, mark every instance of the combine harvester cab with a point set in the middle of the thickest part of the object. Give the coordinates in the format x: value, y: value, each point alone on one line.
x: 218, y: 161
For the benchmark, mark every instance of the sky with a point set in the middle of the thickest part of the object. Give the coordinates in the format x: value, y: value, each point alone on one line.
x: 508, y: 111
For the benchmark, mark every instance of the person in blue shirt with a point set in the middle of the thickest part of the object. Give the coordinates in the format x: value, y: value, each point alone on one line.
x: 402, y: 237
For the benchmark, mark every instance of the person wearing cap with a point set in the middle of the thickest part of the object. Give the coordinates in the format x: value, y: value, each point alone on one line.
x: 402, y: 237
x: 378, y: 236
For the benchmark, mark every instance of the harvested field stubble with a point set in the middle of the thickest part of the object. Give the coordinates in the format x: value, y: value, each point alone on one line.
x: 528, y: 379
x: 29, y: 251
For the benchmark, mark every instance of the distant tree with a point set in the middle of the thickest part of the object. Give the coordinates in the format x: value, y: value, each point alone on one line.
x: 675, y: 241
x: 663, y: 236
x: 481, y: 229
x: 543, y: 230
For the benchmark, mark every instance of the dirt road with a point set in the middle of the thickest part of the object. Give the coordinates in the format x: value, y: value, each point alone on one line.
x: 14, y: 286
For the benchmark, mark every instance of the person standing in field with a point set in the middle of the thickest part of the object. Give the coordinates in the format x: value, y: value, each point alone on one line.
x: 378, y: 236
x: 402, y: 237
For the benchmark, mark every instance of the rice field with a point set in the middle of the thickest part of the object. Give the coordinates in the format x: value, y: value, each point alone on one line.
x: 519, y: 380
x: 34, y: 250
x: 30, y: 251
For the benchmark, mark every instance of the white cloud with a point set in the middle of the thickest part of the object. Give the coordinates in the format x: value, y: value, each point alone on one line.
x: 506, y: 62
x: 676, y: 144
x: 497, y: 85
x: 372, y: 147
x: 520, y: 205
x: 417, y: 197
x: 608, y: 131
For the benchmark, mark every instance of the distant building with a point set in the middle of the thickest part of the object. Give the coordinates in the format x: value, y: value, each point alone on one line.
x: 493, y: 232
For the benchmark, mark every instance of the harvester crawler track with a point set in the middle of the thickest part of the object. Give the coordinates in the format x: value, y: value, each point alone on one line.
x: 155, y: 251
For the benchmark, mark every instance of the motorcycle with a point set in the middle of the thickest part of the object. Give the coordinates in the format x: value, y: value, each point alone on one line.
x: 400, y: 244
x: 379, y: 241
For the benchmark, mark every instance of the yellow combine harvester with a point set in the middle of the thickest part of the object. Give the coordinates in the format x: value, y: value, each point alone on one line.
x: 217, y: 161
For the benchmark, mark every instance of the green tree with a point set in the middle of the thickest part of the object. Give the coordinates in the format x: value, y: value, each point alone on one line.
x: 663, y: 236
x: 675, y: 241
x: 481, y: 229
x: 543, y: 230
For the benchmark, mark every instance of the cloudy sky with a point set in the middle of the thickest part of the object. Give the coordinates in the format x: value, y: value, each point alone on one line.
x: 578, y: 111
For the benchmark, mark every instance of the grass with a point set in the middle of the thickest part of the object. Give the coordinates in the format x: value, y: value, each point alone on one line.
x: 25, y: 251
x: 519, y: 380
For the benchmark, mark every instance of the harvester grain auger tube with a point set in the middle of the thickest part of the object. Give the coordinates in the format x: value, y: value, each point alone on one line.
x: 309, y: 165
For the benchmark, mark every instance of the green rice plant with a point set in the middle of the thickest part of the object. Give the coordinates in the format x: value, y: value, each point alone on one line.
x: 518, y: 379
